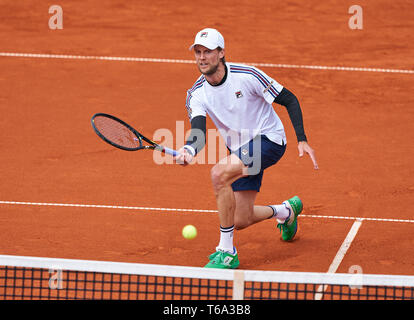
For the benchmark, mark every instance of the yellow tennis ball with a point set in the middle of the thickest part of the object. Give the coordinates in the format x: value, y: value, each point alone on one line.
x: 189, y: 232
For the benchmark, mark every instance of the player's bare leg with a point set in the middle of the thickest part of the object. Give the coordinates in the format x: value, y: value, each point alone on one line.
x: 223, y: 174
x: 246, y: 212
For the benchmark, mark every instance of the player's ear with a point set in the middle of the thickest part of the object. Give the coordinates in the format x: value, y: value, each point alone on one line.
x: 222, y: 53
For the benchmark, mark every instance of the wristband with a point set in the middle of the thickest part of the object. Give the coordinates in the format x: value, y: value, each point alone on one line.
x: 190, y: 149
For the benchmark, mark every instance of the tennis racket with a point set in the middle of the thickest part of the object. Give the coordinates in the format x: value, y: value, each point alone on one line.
x: 121, y: 135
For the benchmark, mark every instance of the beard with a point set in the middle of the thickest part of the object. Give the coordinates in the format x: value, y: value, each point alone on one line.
x: 210, y: 70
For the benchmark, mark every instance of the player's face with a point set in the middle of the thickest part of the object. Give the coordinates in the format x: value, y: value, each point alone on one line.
x: 207, y: 60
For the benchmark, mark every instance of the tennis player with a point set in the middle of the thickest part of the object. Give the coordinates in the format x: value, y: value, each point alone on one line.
x: 238, y: 98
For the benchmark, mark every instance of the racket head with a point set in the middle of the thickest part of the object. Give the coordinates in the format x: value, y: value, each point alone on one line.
x: 118, y: 133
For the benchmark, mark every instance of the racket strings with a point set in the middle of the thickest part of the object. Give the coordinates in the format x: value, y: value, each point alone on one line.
x: 117, y: 132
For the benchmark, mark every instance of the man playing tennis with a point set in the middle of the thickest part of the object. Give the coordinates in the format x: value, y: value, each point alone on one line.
x: 238, y: 99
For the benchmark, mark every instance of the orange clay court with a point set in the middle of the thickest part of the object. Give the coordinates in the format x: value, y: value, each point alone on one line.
x: 360, y: 124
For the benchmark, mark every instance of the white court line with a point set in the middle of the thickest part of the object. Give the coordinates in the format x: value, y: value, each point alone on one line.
x: 340, y: 255
x: 258, y: 64
x: 101, y: 206
x: 77, y: 205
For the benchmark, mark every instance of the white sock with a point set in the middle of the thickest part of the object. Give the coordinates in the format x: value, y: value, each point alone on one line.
x: 226, y: 239
x: 281, y: 212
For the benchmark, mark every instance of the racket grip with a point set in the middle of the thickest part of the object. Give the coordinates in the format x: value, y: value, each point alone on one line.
x: 170, y: 151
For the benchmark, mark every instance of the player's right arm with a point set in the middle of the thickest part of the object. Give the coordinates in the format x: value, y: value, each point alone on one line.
x: 195, y: 142
x: 197, y: 115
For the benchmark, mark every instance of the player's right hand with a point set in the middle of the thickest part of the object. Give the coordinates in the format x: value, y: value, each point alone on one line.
x: 184, y: 157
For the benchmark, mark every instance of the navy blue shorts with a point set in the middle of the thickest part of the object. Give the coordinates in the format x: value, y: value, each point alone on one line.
x: 258, y: 154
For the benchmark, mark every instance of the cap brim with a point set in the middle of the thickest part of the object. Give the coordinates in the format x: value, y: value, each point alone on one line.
x: 201, y: 44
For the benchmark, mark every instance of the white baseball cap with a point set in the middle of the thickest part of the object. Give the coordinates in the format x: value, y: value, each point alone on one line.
x: 209, y: 38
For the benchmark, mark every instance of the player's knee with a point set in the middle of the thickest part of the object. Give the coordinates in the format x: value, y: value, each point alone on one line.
x: 243, y: 218
x: 218, y: 177
x: 240, y: 224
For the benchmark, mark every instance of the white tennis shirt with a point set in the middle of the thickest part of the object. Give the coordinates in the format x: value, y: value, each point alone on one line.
x: 241, y: 107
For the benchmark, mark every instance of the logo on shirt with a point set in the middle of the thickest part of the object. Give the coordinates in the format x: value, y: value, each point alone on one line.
x: 238, y: 94
x: 204, y: 34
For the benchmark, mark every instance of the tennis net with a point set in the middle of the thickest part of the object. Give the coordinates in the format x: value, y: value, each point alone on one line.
x: 49, y: 278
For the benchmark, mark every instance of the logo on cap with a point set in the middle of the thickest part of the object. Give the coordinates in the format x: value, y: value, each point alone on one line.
x: 203, y: 34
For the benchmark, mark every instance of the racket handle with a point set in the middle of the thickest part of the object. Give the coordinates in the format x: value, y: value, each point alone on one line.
x: 170, y: 151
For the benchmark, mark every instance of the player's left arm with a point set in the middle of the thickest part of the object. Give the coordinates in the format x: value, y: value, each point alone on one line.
x: 289, y: 100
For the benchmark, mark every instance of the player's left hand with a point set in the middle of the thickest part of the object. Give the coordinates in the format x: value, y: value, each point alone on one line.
x: 303, y: 146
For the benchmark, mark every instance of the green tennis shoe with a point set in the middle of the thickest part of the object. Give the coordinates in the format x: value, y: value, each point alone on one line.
x: 290, y: 226
x: 223, y: 260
